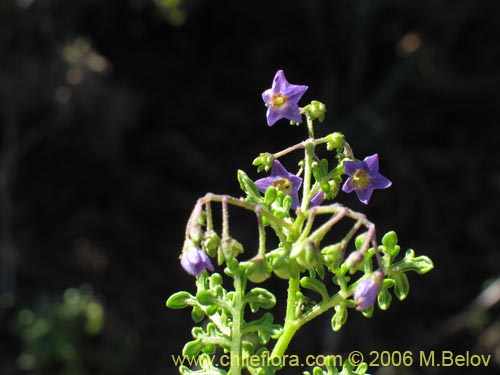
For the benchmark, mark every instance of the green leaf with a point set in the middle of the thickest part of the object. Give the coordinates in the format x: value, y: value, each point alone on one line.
x: 390, y: 244
x: 314, y: 285
x: 264, y: 328
x: 248, y: 186
x: 179, y: 300
x: 340, y: 317
x: 420, y: 265
x: 260, y: 298
x: 206, y: 298
x: 367, y: 313
x: 193, y: 348
x: 384, y: 297
x: 197, y: 314
x: 402, y: 286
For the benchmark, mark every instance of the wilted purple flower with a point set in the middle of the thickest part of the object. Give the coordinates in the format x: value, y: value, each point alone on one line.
x: 282, y: 99
x: 364, y: 178
x: 317, y: 199
x: 367, y: 290
x: 282, y: 180
x: 195, y: 261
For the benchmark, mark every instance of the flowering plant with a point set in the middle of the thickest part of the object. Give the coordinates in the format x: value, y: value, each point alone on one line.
x: 294, y: 214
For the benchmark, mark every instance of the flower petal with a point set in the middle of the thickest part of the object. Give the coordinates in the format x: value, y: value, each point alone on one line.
x: 348, y: 186
x: 267, y: 95
x: 278, y: 170
x: 296, y: 181
x: 291, y: 112
x: 273, y: 116
x: 350, y: 166
x: 264, y: 183
x: 280, y: 84
x: 365, y: 194
x: 294, y: 93
x: 381, y: 182
x: 372, y: 163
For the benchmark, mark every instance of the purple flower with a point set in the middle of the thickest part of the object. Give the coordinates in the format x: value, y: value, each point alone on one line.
x: 367, y: 290
x: 282, y: 180
x: 195, y: 261
x: 364, y: 178
x: 282, y: 99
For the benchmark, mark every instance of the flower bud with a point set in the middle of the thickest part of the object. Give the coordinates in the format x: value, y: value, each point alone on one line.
x: 316, y: 110
x: 258, y: 269
x: 231, y: 248
x: 195, y: 232
x: 354, y: 260
x: 211, y: 242
x: 332, y: 255
x: 195, y: 261
x: 333, y: 189
x: 367, y: 290
x: 282, y: 265
x: 317, y: 199
x: 335, y: 141
x: 307, y: 256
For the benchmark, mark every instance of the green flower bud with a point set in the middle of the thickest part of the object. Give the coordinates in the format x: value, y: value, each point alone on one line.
x: 282, y: 265
x: 335, y: 141
x: 316, y: 110
x: 211, y: 242
x: 333, y: 189
x: 263, y: 162
x: 307, y: 256
x: 270, y: 195
x: 332, y: 255
x: 258, y: 269
x: 231, y: 248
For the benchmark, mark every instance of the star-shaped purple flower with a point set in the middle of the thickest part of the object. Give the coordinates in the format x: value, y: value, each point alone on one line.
x: 282, y: 99
x: 364, y: 178
x: 282, y: 180
x: 195, y: 261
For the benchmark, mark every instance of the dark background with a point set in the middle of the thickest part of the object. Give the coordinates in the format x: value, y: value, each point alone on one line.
x: 117, y: 115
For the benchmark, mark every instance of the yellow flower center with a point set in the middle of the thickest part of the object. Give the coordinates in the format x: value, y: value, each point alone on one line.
x: 278, y: 100
x: 360, y: 179
x: 283, y: 185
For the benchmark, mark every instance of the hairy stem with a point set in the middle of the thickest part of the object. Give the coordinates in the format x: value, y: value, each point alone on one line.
x: 239, y: 306
x: 290, y: 327
x: 309, y: 152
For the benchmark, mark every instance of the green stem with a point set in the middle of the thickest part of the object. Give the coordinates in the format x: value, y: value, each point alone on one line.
x: 262, y: 233
x: 239, y: 306
x: 292, y: 324
x: 290, y: 327
x: 308, y: 159
x: 310, y: 128
x: 319, y: 309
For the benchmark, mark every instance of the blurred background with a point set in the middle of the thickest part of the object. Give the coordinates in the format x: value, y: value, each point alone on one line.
x: 117, y: 115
